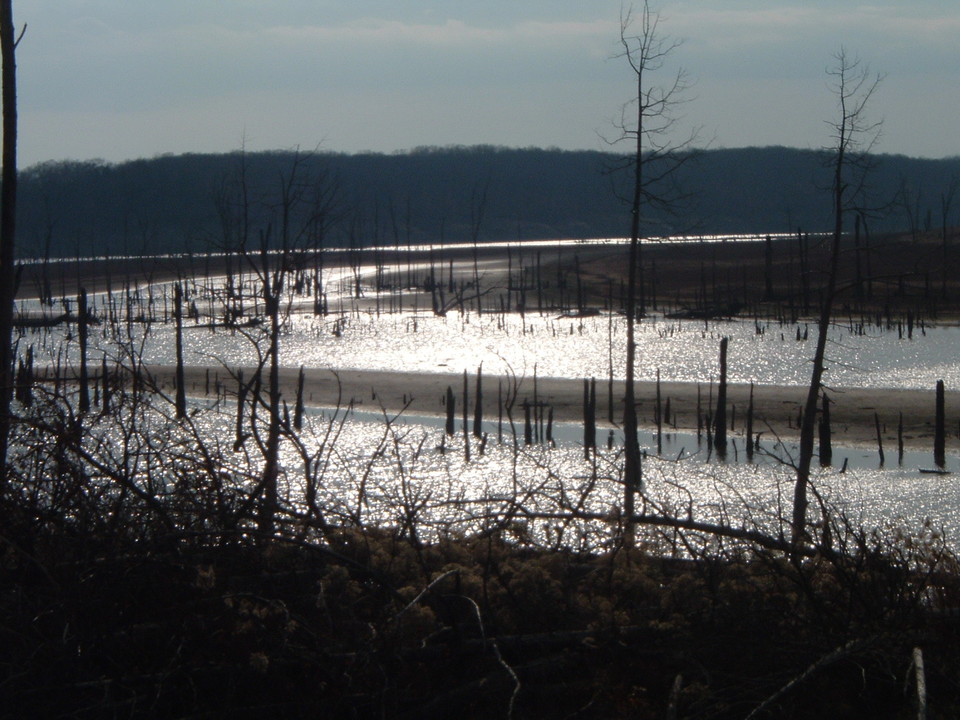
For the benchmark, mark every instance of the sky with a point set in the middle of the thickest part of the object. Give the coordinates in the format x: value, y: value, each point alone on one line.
x: 124, y: 79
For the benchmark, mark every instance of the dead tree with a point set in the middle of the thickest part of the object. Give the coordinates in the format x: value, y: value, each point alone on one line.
x: 181, y: 398
x: 826, y: 445
x: 720, y: 419
x: 8, y: 202
x: 853, y: 138
x: 478, y: 404
x: 83, y: 319
x: 296, y: 214
x: 939, y: 432
x: 451, y: 409
x: 646, y: 122
x: 298, y: 408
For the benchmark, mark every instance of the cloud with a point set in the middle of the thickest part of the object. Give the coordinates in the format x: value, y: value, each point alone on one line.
x: 91, y: 60
x: 746, y: 39
x: 453, y: 72
x: 452, y: 34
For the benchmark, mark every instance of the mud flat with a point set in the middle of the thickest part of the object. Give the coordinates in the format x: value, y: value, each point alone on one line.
x: 776, y: 408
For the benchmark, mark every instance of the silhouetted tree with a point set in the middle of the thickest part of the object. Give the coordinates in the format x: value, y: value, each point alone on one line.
x: 8, y: 202
x: 297, y: 213
x: 647, y: 121
x: 853, y: 138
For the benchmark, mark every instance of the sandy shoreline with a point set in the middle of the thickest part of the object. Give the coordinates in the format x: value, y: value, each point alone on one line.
x: 776, y: 408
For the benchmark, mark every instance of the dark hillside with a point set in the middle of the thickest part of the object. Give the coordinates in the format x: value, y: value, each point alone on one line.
x: 167, y: 204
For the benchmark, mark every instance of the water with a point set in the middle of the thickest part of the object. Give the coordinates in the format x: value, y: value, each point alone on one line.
x: 763, y: 352
x: 444, y: 490
x: 408, y: 474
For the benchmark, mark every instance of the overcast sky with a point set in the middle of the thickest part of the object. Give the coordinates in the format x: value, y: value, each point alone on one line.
x: 122, y: 79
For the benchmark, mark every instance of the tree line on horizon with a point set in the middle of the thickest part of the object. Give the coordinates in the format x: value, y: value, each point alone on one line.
x: 452, y: 194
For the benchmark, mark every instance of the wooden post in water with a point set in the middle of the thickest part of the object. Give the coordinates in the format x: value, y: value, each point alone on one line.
x: 658, y: 417
x: 826, y: 448
x: 536, y: 398
x: 181, y: 397
x: 451, y: 409
x: 586, y: 419
x: 610, y: 351
x: 527, y: 429
x: 939, y: 435
x: 876, y: 422
x: 900, y: 440
x: 318, y: 285
x: 699, y: 416
x: 478, y: 404
x: 241, y: 397
x: 749, y: 429
x: 298, y: 406
x: 82, y: 323
x: 593, y: 413
x: 466, y: 430
x: 499, y: 410
x: 720, y: 421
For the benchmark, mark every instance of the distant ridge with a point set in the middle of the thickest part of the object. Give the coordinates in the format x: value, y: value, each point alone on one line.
x: 167, y: 204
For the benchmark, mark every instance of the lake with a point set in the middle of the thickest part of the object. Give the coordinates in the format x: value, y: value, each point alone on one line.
x: 410, y: 467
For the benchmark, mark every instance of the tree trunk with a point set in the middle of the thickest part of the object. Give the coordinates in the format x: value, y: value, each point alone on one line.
x: 939, y: 438
x: 82, y: 332
x: 631, y: 443
x: 181, y: 397
x: 478, y: 404
x: 720, y: 420
x: 298, y: 408
x: 451, y: 409
x: 853, y: 90
x: 8, y: 202
x: 808, y: 419
x: 826, y: 446
x: 271, y: 460
x: 466, y: 431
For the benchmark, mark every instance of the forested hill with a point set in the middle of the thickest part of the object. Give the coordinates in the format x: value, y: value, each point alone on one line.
x: 191, y: 202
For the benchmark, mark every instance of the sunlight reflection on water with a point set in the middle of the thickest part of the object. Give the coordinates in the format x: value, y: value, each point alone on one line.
x: 396, y: 478
x: 410, y: 472
x: 682, y: 350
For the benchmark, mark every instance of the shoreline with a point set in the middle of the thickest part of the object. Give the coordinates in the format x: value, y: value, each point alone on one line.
x: 854, y: 411
x: 601, y: 265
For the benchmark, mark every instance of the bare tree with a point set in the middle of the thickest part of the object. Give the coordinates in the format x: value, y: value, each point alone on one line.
x: 853, y: 137
x: 647, y: 121
x: 8, y: 202
x: 298, y: 213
